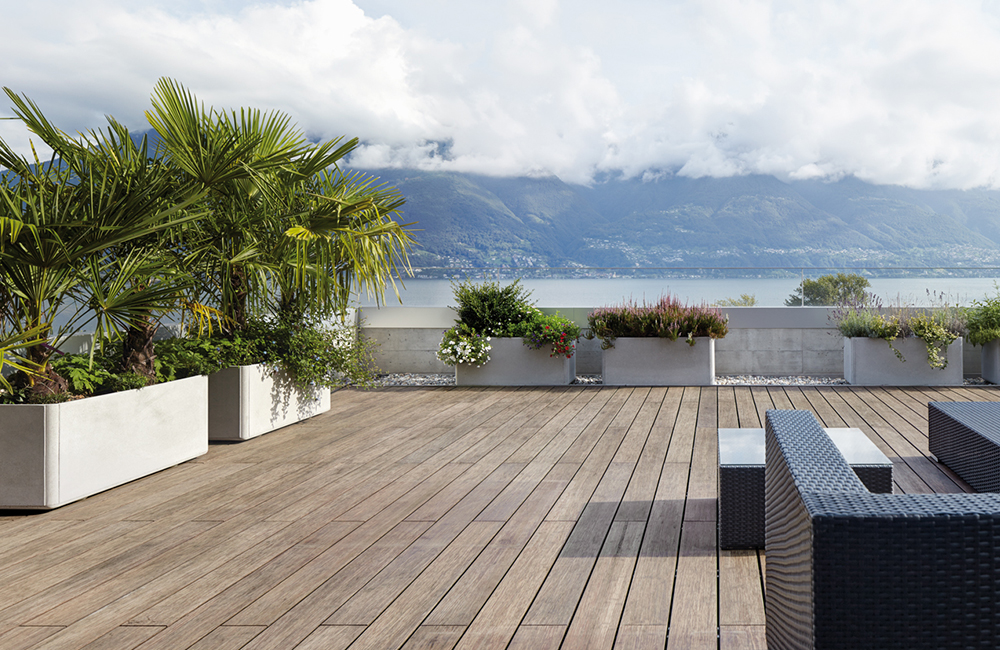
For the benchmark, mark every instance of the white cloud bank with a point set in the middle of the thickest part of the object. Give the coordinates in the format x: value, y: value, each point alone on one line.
x: 893, y: 91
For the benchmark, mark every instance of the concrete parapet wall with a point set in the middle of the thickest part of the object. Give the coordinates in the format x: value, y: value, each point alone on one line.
x: 771, y: 341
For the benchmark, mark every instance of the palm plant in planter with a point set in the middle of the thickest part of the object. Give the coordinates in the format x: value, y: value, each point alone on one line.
x: 72, y: 235
x: 287, y: 238
x: 658, y: 344
x: 77, y: 235
x: 529, y: 347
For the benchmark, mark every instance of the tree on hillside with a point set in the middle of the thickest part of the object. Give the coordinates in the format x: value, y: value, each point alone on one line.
x: 829, y: 290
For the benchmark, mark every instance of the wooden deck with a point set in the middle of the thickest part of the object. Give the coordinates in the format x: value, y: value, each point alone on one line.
x: 436, y: 518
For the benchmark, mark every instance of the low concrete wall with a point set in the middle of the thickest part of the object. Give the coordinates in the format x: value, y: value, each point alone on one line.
x: 771, y: 341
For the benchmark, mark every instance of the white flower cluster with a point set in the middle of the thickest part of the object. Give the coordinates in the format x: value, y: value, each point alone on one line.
x: 456, y: 349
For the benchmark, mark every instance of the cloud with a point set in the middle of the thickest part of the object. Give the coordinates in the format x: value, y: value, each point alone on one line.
x: 898, y: 91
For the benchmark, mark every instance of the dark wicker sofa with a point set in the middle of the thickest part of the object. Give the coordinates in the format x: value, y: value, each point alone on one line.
x: 851, y: 569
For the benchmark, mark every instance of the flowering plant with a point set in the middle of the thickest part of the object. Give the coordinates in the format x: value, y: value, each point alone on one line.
x: 556, y: 331
x: 462, y: 344
x: 938, y: 328
x: 666, y: 318
x: 490, y: 309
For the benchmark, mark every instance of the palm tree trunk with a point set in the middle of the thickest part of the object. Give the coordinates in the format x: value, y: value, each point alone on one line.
x: 45, y: 384
x: 138, y: 355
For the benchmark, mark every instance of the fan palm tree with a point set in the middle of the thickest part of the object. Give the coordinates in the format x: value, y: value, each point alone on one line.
x: 63, y: 226
x: 286, y: 227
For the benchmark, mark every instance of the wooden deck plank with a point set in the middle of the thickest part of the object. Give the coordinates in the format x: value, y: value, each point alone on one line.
x: 501, y: 615
x: 23, y: 638
x: 741, y: 593
x: 693, y: 621
x: 429, y: 637
x: 779, y: 397
x: 746, y: 408
x: 538, y: 637
x: 650, y: 597
x: 728, y: 415
x: 227, y: 637
x: 703, y: 483
x: 331, y: 637
x: 595, y: 623
x: 762, y: 402
x: 288, y: 550
x: 742, y: 638
x: 123, y: 638
x: 437, y: 518
x: 641, y: 489
x: 465, y: 599
x: 641, y: 637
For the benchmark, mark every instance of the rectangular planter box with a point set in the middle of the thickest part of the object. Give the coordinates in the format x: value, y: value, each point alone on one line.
x: 247, y: 401
x: 991, y: 362
x: 870, y: 362
x: 514, y: 364
x: 659, y: 362
x: 54, y: 454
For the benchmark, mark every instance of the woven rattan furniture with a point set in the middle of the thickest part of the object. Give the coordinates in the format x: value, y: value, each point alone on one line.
x: 965, y: 436
x: 741, y: 479
x: 850, y: 569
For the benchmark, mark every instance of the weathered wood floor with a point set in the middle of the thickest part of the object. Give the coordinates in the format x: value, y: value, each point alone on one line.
x: 436, y: 518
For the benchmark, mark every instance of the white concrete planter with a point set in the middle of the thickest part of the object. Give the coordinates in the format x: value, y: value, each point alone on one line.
x: 247, y: 401
x: 514, y: 364
x: 991, y: 362
x: 54, y: 454
x: 659, y: 362
x: 870, y: 362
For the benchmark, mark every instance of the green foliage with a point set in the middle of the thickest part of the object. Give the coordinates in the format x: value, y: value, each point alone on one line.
x: 542, y: 330
x: 841, y: 288
x: 932, y: 330
x: 745, y: 300
x: 984, y: 320
x: 311, y: 353
x: 85, y: 377
x: 177, y: 358
x: 666, y: 318
x: 490, y: 308
x: 937, y: 328
x: 462, y: 344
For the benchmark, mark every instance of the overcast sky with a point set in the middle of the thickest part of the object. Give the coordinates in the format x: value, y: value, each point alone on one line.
x: 892, y: 91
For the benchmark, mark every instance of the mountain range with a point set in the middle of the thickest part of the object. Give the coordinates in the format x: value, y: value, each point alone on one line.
x: 467, y: 220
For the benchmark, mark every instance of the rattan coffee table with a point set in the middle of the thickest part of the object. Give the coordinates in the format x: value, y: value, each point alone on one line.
x: 965, y: 436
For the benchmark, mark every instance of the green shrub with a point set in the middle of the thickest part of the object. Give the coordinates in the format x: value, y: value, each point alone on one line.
x: 984, y: 320
x: 490, y: 309
x: 666, y: 318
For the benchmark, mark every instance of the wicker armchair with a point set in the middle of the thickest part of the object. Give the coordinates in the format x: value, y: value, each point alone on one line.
x: 850, y: 569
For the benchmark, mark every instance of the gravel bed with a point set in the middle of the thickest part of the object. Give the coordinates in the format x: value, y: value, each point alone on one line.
x: 415, y: 379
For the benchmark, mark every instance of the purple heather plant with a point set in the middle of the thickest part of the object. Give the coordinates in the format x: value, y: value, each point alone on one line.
x: 665, y: 318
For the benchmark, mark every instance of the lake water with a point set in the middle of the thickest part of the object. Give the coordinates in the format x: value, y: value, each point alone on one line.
x: 770, y: 292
